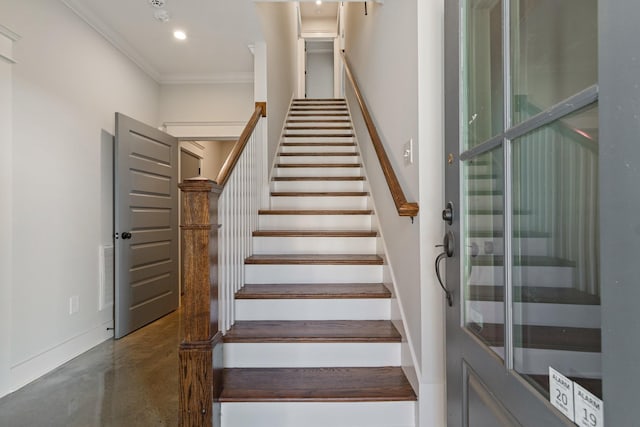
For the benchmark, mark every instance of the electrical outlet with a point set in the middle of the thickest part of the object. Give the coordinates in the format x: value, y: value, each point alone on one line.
x: 408, y: 152
x: 74, y: 304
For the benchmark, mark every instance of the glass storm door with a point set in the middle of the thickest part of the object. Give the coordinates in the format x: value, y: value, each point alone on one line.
x: 530, y: 110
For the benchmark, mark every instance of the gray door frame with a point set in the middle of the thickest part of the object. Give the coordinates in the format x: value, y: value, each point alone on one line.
x: 618, y: 95
x: 619, y: 81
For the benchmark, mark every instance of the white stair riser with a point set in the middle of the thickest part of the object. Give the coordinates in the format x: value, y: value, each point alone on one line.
x: 310, y: 171
x: 313, y: 309
x: 315, y: 116
x: 481, y: 222
x: 557, y: 277
x: 256, y: 273
x: 318, y: 148
x: 521, y: 246
x: 484, y: 202
x: 339, y: 202
x: 293, y: 131
x: 318, y: 414
x: 318, y: 107
x: 478, y: 169
x: 567, y: 315
x: 483, y: 184
x: 324, y: 125
x: 318, y: 139
x: 314, y: 245
x: 317, y: 185
x: 318, y: 159
x: 315, y: 222
x: 536, y: 361
x: 310, y: 355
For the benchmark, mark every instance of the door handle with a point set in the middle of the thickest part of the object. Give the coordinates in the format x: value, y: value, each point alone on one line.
x: 448, y: 245
x: 126, y: 235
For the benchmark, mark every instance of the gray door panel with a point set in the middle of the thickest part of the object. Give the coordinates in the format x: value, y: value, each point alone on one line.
x: 146, y: 205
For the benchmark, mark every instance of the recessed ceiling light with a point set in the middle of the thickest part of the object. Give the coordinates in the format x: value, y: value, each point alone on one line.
x: 318, y: 2
x: 180, y: 35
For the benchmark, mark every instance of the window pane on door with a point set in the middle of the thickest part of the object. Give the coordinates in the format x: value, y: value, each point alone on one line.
x: 483, y: 86
x: 556, y: 289
x: 483, y: 268
x: 553, y: 52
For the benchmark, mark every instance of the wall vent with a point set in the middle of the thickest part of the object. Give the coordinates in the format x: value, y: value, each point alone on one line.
x: 105, y: 260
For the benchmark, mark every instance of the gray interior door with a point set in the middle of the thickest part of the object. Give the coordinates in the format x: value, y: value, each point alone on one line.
x: 522, y: 175
x: 146, y: 224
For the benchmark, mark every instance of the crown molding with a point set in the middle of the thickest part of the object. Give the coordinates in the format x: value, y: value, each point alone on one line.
x: 216, y: 78
x: 10, y: 34
x: 112, y: 37
x: 7, y: 39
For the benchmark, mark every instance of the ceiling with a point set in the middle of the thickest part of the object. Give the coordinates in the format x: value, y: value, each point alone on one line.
x: 218, y: 36
x: 219, y: 33
x: 324, y: 10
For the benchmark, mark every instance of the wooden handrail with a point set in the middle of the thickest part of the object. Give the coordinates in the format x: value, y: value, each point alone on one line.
x: 403, y: 207
x: 238, y: 148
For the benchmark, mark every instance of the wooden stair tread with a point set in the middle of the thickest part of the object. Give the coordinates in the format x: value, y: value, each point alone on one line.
x: 315, y: 385
x: 319, y: 114
x: 314, y: 233
x: 318, y: 178
x: 516, y: 234
x: 318, y: 128
x: 319, y: 193
x: 314, y: 291
x: 309, y: 108
x: 594, y: 385
x: 314, y: 259
x: 522, y: 261
x: 318, y: 99
x: 318, y: 165
x: 318, y: 135
x: 542, y: 337
x: 315, y: 212
x: 318, y: 144
x: 326, y: 331
x: 320, y: 121
x: 534, y: 294
x: 318, y: 154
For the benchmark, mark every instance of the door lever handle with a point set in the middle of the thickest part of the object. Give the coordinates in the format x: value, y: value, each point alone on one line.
x: 448, y: 245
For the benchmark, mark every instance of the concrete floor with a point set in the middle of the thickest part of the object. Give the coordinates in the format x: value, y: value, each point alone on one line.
x: 129, y: 382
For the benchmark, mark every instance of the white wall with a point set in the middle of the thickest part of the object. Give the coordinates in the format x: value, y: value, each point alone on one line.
x: 6, y: 197
x: 215, y: 154
x: 66, y: 87
x: 279, y: 24
x: 395, y: 53
x: 206, y: 110
x: 382, y: 50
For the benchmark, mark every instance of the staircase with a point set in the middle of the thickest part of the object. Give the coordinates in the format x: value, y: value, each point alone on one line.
x: 313, y: 343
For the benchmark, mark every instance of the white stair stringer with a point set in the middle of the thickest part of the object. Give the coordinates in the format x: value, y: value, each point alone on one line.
x: 327, y: 224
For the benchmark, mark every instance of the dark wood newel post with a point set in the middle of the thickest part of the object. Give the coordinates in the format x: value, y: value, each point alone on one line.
x: 200, y: 351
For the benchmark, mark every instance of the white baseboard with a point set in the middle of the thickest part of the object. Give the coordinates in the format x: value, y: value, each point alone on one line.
x: 31, y: 369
